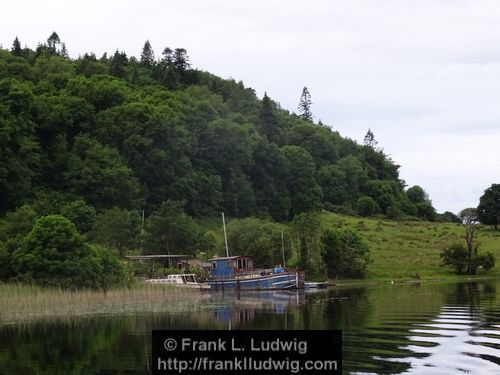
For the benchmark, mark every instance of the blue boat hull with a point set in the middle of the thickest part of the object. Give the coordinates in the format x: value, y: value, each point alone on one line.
x: 282, y: 280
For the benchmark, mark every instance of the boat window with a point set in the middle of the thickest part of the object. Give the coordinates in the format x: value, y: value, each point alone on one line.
x: 244, y: 264
x: 240, y: 266
x: 214, y: 265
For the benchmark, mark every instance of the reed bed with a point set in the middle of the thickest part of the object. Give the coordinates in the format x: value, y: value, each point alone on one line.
x: 21, y: 303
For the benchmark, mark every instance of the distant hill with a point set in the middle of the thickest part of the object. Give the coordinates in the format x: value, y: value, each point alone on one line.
x: 120, y: 131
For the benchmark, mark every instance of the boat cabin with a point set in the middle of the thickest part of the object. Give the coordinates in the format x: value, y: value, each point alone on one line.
x: 230, y: 266
x: 180, y: 279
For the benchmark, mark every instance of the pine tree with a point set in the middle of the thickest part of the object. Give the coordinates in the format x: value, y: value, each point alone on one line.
x: 268, y: 120
x: 181, y: 60
x: 147, y: 55
x: 369, y: 140
x: 134, y: 76
x: 52, y: 42
x: 305, y: 105
x: 167, y: 73
x: 118, y: 63
x: 64, y: 51
x: 168, y: 58
x: 16, y: 47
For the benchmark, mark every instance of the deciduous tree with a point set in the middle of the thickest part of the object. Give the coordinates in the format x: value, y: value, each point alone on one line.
x: 488, y: 210
x: 118, y: 229
x: 170, y: 231
x: 345, y: 253
x: 55, y: 254
x: 259, y: 239
x: 470, y: 219
x: 305, y: 193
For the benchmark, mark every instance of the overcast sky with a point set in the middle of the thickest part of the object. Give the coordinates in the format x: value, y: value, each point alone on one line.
x: 424, y: 75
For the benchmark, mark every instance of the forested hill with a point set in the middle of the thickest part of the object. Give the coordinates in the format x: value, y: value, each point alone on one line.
x: 126, y: 132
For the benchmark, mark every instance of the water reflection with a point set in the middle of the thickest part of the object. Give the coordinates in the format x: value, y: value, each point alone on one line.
x: 239, y: 309
x: 461, y: 338
x: 401, y: 329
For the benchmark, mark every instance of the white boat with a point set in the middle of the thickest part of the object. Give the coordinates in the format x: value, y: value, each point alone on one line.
x: 315, y: 285
x: 185, y: 280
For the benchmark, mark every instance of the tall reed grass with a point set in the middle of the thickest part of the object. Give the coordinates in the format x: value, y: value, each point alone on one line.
x: 20, y: 302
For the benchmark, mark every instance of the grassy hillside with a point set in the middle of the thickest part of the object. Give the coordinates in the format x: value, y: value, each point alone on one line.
x: 399, y: 249
x: 402, y: 250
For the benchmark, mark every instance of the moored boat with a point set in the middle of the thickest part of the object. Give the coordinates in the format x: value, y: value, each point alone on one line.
x: 187, y: 280
x: 237, y: 273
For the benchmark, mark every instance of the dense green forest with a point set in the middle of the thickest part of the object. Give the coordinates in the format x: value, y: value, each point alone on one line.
x: 132, y: 133
x: 107, y: 142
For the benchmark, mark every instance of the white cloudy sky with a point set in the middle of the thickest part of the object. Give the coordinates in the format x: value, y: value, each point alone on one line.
x: 424, y: 75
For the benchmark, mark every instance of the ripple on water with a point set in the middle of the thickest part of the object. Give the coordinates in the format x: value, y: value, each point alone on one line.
x: 458, y: 340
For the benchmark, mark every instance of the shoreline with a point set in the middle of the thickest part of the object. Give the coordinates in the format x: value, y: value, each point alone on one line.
x: 436, y: 279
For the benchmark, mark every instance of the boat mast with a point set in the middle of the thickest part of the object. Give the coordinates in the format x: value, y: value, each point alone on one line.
x: 283, y: 248
x: 225, y: 234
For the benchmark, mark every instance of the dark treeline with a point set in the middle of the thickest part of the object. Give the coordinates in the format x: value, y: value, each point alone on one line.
x: 118, y: 131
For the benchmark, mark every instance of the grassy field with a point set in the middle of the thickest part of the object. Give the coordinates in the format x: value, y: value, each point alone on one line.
x: 406, y: 250
x: 400, y: 249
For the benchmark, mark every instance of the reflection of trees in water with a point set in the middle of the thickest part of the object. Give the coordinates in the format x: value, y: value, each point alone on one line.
x: 122, y: 344
x: 480, y: 299
x: 69, y: 347
x: 378, y: 326
x: 347, y: 309
x: 472, y: 294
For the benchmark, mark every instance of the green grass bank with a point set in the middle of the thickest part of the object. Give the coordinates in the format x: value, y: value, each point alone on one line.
x: 410, y: 249
x: 400, y: 250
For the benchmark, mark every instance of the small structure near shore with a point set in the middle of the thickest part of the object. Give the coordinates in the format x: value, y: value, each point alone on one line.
x: 162, y: 259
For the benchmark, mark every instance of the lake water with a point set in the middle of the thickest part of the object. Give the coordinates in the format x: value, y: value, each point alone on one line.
x: 428, y: 328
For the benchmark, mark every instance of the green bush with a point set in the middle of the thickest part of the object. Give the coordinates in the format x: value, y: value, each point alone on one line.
x: 200, y: 273
x: 367, y: 206
x: 345, y: 253
x: 457, y: 256
x: 345, y: 209
x: 259, y: 239
x: 393, y: 212
x: 55, y: 254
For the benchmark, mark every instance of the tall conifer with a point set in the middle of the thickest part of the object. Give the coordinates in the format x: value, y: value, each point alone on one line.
x: 305, y: 105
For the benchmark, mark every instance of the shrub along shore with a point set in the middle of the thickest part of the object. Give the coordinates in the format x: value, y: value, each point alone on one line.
x: 411, y: 249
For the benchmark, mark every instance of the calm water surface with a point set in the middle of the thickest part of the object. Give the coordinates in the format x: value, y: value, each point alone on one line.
x: 425, y: 328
